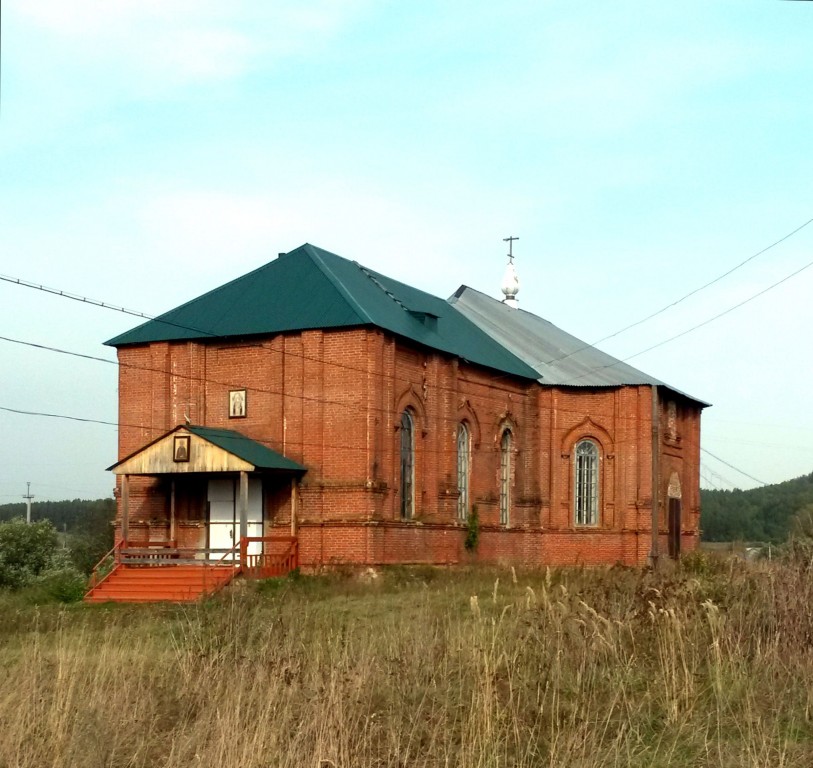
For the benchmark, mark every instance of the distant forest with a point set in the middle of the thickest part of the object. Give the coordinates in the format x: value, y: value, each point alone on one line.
x: 79, y: 516
x: 761, y: 514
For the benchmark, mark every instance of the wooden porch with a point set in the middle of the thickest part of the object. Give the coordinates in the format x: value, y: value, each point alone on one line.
x: 161, y: 571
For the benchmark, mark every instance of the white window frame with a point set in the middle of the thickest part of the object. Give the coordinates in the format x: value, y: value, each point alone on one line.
x: 506, y: 446
x: 407, y: 465
x: 586, y: 461
x: 463, y: 470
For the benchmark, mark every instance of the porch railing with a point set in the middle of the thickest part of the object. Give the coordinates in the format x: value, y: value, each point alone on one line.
x: 139, y: 551
x: 152, y: 555
x: 105, y: 566
x: 279, y: 556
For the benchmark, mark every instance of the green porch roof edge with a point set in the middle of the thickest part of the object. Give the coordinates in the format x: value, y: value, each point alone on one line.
x: 247, y: 449
x: 310, y: 288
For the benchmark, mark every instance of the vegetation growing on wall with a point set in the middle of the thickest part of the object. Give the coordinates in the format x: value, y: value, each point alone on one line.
x: 472, y: 530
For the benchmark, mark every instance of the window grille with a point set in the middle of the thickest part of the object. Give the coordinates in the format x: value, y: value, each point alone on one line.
x: 463, y: 467
x: 407, y: 466
x: 586, y: 483
x: 505, y: 477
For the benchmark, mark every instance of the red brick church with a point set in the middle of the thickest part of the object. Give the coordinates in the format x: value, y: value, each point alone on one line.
x: 317, y: 401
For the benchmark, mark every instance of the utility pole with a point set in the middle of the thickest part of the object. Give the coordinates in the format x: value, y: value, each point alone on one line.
x: 28, y: 496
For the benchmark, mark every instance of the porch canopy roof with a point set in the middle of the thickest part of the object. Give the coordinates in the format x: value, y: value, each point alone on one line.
x: 190, y: 449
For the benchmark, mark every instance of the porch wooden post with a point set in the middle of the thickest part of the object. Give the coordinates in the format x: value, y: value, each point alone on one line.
x: 243, y: 509
x: 293, y: 506
x: 172, y: 512
x: 125, y: 508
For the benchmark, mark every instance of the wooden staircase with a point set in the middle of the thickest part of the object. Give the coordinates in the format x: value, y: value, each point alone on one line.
x: 153, y: 572
x: 161, y: 583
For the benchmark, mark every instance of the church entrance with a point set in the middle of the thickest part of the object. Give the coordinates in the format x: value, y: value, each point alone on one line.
x: 674, y: 495
x: 224, y: 515
x: 674, y: 528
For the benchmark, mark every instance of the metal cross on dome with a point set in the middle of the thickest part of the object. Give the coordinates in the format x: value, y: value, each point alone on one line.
x: 510, y: 241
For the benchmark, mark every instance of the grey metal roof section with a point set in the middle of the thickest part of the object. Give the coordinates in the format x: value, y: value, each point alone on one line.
x: 559, y: 358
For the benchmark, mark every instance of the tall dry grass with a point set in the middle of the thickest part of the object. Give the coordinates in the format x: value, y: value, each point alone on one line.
x: 710, y: 665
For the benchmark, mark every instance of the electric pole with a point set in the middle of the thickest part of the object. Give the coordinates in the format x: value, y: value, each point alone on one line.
x: 28, y: 496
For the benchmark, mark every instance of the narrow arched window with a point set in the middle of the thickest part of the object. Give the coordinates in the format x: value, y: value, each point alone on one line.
x: 407, y: 465
x: 505, y: 477
x: 586, y: 483
x: 463, y: 467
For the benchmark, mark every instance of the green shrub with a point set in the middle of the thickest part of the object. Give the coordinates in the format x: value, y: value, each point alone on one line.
x: 472, y: 530
x: 87, y: 551
x: 25, y: 551
x: 64, y: 585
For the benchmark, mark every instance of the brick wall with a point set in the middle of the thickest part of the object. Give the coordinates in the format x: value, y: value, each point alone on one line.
x: 332, y: 400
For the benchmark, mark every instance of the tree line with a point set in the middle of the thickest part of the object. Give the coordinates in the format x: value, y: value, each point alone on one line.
x: 766, y: 514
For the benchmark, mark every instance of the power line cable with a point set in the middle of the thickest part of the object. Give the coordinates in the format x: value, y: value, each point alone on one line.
x: 710, y: 482
x: 97, y: 303
x: 736, y: 469
x: 302, y: 443
x: 695, y: 327
x: 705, y: 285
x: 724, y: 312
x: 681, y: 299
x: 63, y: 416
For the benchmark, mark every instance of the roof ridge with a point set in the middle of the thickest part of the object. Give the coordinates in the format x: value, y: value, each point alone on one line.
x: 378, y: 284
x: 314, y: 252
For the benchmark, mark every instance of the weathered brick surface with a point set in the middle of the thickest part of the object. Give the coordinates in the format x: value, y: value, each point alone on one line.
x: 332, y: 400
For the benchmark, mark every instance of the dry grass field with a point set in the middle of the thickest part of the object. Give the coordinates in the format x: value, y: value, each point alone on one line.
x: 707, y: 665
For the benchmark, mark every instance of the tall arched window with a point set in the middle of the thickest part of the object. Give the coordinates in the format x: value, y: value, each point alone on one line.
x: 505, y: 477
x: 586, y: 483
x: 407, y: 465
x: 463, y: 467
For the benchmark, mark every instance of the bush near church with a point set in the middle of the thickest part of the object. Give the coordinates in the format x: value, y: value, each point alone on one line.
x: 30, y: 557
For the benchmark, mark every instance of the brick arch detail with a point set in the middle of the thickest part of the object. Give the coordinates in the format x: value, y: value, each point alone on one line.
x: 465, y: 413
x: 587, y: 429
x: 410, y: 398
x: 507, y: 421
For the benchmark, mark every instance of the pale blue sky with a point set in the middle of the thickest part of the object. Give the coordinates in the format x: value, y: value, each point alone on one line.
x: 153, y: 149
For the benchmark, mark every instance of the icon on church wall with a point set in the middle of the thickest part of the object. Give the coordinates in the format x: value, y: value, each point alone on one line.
x: 237, y: 404
x: 180, y: 449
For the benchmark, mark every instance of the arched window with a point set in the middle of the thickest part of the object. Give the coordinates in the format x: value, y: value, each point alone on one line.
x: 586, y: 483
x: 505, y: 477
x: 463, y: 467
x: 407, y: 465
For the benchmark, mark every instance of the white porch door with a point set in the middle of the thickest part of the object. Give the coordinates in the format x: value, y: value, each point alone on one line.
x: 224, y: 514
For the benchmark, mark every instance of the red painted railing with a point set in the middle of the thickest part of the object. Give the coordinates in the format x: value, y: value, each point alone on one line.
x: 105, y: 566
x: 279, y: 556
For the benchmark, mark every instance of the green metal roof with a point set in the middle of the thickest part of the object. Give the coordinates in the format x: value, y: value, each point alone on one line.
x: 310, y: 288
x: 247, y: 449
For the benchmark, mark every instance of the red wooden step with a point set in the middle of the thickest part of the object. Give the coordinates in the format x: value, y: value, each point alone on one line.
x: 158, y: 583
